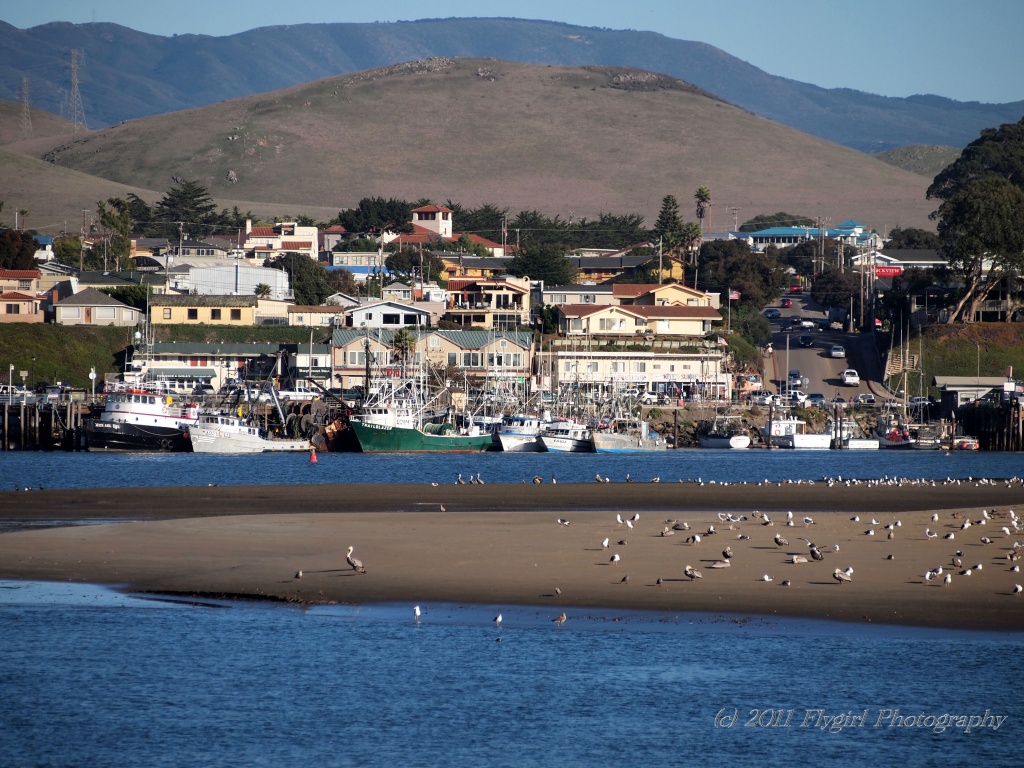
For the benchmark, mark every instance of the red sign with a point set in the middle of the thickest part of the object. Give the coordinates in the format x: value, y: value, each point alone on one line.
x: 888, y: 271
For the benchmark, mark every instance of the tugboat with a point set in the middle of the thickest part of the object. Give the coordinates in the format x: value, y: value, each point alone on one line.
x: 142, y: 420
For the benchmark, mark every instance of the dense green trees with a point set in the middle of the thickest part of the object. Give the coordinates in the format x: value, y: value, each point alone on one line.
x: 913, y: 239
x: 669, y: 229
x: 308, y: 278
x: 780, y: 219
x: 725, y: 265
x: 543, y: 262
x: 833, y: 288
x: 406, y: 265
x: 17, y: 250
x: 997, y: 152
x: 374, y: 215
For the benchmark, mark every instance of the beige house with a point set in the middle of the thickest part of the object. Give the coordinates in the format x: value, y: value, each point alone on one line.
x: 317, y: 316
x: 631, y: 321
x: 495, y: 303
x: 92, y: 307
x: 262, y: 243
x: 24, y: 281
x: 17, y: 307
x: 202, y: 310
x: 668, y: 294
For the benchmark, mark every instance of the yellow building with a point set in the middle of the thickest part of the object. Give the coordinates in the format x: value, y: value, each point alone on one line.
x: 202, y: 310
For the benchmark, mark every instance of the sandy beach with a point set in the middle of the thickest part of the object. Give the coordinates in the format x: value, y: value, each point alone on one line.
x: 502, y: 545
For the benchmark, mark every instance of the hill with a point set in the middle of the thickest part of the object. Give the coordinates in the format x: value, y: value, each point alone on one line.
x: 920, y: 159
x: 128, y: 74
x: 576, y: 141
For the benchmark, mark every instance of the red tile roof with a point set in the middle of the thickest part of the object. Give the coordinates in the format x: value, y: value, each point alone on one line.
x: 296, y: 244
x: 336, y: 228
x: 15, y: 296
x: 19, y: 274
x: 262, y: 232
x: 641, y: 310
x: 432, y: 209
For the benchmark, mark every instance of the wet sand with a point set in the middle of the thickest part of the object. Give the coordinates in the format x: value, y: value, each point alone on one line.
x: 501, y: 545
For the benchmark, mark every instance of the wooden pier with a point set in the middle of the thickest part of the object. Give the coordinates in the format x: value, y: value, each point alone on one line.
x: 43, y: 426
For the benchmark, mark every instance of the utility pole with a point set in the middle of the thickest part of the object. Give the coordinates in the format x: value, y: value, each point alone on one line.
x: 661, y: 267
x: 735, y: 219
x: 81, y: 253
x: 26, y: 111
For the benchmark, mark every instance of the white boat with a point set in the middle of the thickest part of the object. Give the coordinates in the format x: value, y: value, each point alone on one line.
x: 520, y: 433
x: 567, y: 437
x: 218, y: 433
x: 723, y: 433
x: 893, y: 434
x: 789, y: 432
x: 847, y: 435
x: 626, y: 436
x: 142, y: 419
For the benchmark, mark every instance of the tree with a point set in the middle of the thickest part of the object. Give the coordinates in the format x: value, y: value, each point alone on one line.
x: 262, y: 290
x: 405, y: 265
x: 308, y: 277
x: 833, y: 288
x: 67, y: 250
x: 116, y: 223
x: 669, y: 227
x: 730, y: 265
x: 702, y: 197
x: 342, y: 281
x: 186, y: 210
x: 17, y: 250
x: 780, y: 219
x: 403, y: 342
x: 914, y: 240
x: 374, y: 215
x: 543, y: 262
x: 690, y: 239
x: 981, y: 227
x: 133, y: 295
x: 997, y: 152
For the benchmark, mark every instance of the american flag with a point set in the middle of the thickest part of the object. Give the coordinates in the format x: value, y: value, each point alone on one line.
x: 734, y: 295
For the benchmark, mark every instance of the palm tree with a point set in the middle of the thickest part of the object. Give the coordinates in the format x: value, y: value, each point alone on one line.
x: 691, y: 237
x: 262, y: 290
x: 703, y: 200
x: 403, y: 342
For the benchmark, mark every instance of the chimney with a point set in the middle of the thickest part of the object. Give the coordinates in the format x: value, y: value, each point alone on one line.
x: 248, y: 226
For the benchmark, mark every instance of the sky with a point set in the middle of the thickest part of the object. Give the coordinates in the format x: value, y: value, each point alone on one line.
x: 968, y: 51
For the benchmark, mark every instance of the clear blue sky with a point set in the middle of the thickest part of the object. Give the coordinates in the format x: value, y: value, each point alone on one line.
x: 969, y: 50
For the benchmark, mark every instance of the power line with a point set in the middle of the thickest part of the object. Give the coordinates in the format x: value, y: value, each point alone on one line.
x: 77, y: 111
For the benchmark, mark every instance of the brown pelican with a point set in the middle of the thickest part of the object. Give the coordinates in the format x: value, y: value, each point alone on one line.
x: 357, y: 565
x: 841, y: 576
x: 816, y: 553
x: 459, y: 480
x: 560, y: 619
x: 478, y: 480
x: 692, y: 573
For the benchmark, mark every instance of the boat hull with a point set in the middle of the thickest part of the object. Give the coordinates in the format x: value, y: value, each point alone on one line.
x: 210, y: 441
x: 732, y: 442
x: 511, y: 443
x: 122, y: 436
x: 619, y: 443
x: 381, y: 438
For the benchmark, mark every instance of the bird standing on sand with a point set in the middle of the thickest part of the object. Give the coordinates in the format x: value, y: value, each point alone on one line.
x: 298, y: 574
x: 604, y: 544
x: 357, y: 565
x: 780, y: 541
x: 459, y: 480
x: 442, y: 507
x: 614, y: 558
x: 560, y: 619
x: 554, y: 480
x: 692, y: 573
x: 841, y: 577
x: 562, y: 521
x: 1017, y: 589
x: 727, y: 553
x: 948, y: 580
x: 537, y: 479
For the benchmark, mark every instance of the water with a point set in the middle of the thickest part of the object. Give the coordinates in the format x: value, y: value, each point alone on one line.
x: 95, y: 470
x: 93, y: 677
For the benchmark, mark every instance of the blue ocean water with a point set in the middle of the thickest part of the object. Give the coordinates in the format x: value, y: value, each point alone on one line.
x: 91, y: 677
x: 101, y: 470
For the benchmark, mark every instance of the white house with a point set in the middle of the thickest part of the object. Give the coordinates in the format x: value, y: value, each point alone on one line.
x: 388, y: 315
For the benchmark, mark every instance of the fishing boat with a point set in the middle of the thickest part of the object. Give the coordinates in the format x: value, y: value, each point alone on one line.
x: 790, y: 432
x: 377, y: 437
x: 847, y: 435
x: 626, y: 435
x: 220, y: 433
x: 723, y: 433
x: 565, y: 436
x: 520, y: 433
x: 892, y: 433
x: 142, y: 419
x: 926, y: 438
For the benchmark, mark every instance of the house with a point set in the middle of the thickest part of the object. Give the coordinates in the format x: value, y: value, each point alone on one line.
x: 229, y: 277
x: 850, y: 233
x: 955, y: 391
x: 397, y: 292
x: 587, y: 293
x: 203, y: 310
x: 601, y: 269
x: 502, y: 303
x: 502, y: 355
x: 363, y: 265
x: 388, y: 315
x: 635, y: 320
x: 432, y: 228
x: 317, y: 316
x: 17, y: 307
x: 92, y: 307
x: 20, y: 280
x: 183, y: 365
x: 464, y: 265
x: 262, y: 243
x: 331, y: 236
x: 667, y: 294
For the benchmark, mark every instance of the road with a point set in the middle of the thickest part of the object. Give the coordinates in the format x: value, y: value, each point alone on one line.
x: 814, y: 362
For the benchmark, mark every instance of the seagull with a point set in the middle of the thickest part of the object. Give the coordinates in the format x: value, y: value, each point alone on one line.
x: 497, y: 619
x: 635, y: 517
x: 416, y: 612
x: 629, y: 524
x: 298, y: 574
x: 615, y: 558
x: 625, y: 579
x: 618, y: 519
x: 766, y: 577
x: 692, y: 573
x: 604, y: 544
x: 840, y: 576
x: 1017, y: 589
x: 537, y: 479
x: 442, y: 507
x: 562, y: 521
x: 808, y: 521
x: 780, y: 541
x: 785, y: 583
x: 949, y: 536
x: 727, y: 553
x: 554, y: 480
x: 558, y: 590
x: 948, y: 580
x: 357, y: 565
x: 560, y: 619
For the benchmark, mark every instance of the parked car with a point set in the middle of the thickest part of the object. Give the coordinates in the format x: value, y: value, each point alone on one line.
x: 795, y: 378
x: 796, y: 321
x: 299, y: 393
x: 806, y: 322
x: 919, y: 402
x: 836, y: 325
x: 806, y: 341
x: 866, y: 398
x: 816, y: 399
x: 761, y: 398
x: 787, y: 303
x: 797, y: 397
x: 837, y: 350
x: 649, y: 398
x: 850, y: 377
x: 772, y: 313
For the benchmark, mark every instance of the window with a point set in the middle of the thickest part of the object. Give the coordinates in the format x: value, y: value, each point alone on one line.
x: 315, y: 362
x: 14, y: 309
x: 453, y: 359
x: 639, y: 367
x: 236, y: 314
x: 435, y: 342
x: 618, y: 366
x: 640, y: 322
x: 215, y: 314
x: 557, y: 298
x: 576, y: 324
x: 193, y: 313
x: 503, y: 343
x: 470, y: 359
x: 592, y: 367
x: 106, y: 313
x: 24, y: 285
x: 589, y: 298
x: 356, y: 358
x: 69, y: 313
x: 410, y: 319
x: 167, y: 313
x: 392, y: 319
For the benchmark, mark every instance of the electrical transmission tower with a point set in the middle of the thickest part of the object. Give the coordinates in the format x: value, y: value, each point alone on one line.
x: 26, y: 112
x: 76, y: 110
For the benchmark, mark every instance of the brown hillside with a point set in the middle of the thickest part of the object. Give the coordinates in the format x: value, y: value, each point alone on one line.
x: 575, y: 141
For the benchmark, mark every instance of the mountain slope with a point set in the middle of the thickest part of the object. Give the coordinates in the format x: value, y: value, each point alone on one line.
x: 128, y: 74
x: 576, y: 141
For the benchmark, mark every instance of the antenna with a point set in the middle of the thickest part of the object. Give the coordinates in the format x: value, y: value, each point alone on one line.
x: 26, y: 112
x: 75, y: 108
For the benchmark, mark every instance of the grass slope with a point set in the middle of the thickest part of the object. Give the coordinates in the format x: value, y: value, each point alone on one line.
x: 918, y: 158
x: 576, y: 141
